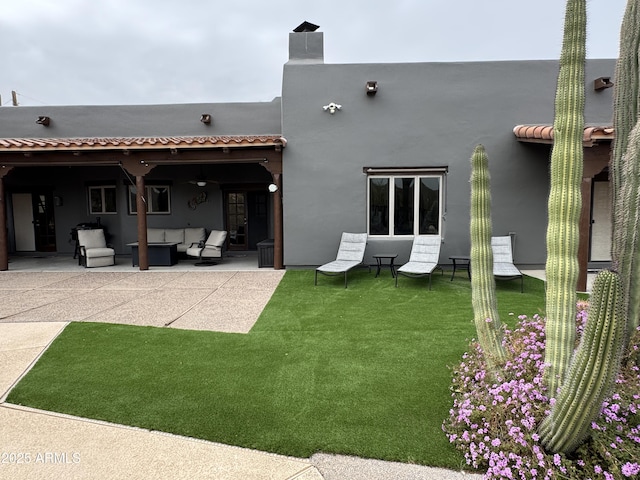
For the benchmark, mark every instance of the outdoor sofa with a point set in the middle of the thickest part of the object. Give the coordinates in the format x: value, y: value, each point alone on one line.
x: 184, y: 237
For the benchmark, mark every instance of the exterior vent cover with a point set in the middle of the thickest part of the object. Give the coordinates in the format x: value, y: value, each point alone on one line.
x: 306, y: 27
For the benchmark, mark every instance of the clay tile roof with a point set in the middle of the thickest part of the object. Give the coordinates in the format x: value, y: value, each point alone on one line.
x: 544, y: 134
x: 138, y: 143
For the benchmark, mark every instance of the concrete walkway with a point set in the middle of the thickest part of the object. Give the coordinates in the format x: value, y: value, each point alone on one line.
x: 34, y: 444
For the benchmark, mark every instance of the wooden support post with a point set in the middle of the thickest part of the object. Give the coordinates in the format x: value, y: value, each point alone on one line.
x: 273, y: 164
x: 4, y: 241
x: 140, y: 168
x: 141, y: 206
x: 278, y: 260
x: 585, y: 231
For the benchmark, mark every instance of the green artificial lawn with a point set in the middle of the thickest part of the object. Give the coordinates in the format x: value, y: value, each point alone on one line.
x: 360, y: 371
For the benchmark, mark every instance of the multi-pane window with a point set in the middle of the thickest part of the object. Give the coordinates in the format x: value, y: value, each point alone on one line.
x: 102, y: 199
x: 405, y: 204
x: 157, y: 198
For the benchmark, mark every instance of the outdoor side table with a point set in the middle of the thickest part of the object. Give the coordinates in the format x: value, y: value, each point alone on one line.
x: 461, y: 262
x: 385, y: 256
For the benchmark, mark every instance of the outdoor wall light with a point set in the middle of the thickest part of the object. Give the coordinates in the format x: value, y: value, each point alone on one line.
x: 602, y: 83
x: 332, y: 107
x: 205, y: 118
x: 371, y: 88
x: 42, y: 120
x: 273, y: 188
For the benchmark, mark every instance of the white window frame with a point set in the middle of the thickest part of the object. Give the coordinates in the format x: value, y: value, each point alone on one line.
x: 102, y: 189
x: 147, y: 195
x: 417, y: 174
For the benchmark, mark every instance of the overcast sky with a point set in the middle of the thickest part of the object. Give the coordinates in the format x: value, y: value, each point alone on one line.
x: 110, y: 52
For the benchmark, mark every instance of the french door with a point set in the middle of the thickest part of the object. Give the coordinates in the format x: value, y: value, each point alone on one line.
x: 236, y: 213
x: 34, y: 222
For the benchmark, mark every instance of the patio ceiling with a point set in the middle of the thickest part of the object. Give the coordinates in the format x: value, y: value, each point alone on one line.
x: 544, y: 134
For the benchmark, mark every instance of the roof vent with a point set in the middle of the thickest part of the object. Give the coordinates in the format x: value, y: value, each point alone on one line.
x: 306, y: 27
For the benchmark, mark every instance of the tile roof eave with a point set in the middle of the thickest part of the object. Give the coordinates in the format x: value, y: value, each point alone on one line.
x: 544, y: 134
x: 139, y: 143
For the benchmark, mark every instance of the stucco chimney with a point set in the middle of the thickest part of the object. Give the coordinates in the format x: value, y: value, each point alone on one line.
x: 306, y: 45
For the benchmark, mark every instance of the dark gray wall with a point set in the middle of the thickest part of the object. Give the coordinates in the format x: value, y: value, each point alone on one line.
x: 142, y: 120
x: 429, y: 114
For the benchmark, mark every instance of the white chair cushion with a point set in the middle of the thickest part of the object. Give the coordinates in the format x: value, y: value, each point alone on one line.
x: 418, y: 268
x: 338, y: 266
x: 99, y: 252
x: 91, y: 238
x: 216, y: 237
x: 194, y: 235
x: 174, y: 235
x: 352, y: 247
x: 194, y: 251
x: 155, y: 235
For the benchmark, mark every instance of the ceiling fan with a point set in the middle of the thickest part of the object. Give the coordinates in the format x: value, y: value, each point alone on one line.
x: 201, y: 179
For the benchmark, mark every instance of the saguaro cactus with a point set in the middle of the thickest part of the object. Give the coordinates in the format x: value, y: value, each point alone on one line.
x: 625, y: 164
x: 596, y: 362
x: 592, y: 371
x: 626, y: 102
x: 565, y: 198
x: 483, y: 286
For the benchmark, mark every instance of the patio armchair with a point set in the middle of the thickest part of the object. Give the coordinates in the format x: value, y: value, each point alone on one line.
x: 93, y: 249
x: 210, y: 249
x: 503, y: 267
x: 350, y: 255
x: 424, y: 258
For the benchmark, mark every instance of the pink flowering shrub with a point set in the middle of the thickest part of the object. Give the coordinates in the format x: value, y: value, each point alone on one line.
x: 495, y: 424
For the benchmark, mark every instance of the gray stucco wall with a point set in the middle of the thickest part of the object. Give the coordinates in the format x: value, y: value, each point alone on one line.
x: 258, y: 118
x: 428, y: 114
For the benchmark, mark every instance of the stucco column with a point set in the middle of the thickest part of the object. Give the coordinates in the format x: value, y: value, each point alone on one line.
x: 4, y: 242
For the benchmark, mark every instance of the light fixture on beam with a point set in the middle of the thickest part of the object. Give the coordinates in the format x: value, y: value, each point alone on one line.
x: 43, y: 120
x: 273, y: 188
x: 371, y: 87
x: 206, y: 118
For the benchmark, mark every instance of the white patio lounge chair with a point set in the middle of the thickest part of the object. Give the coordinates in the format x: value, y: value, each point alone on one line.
x: 93, y: 249
x: 424, y: 258
x: 503, y: 267
x: 209, y: 249
x: 350, y: 255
